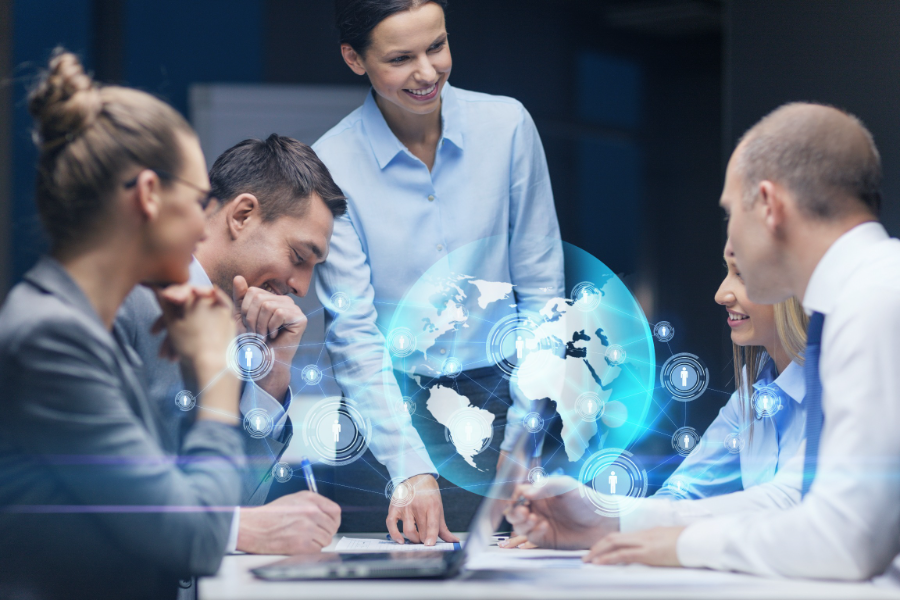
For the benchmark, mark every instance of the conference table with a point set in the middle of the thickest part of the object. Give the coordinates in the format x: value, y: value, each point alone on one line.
x: 523, y: 574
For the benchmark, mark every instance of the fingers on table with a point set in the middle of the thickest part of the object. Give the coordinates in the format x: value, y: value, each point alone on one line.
x: 410, y: 526
x: 616, y: 548
x: 392, y: 519
x: 513, y: 542
x: 432, y: 524
x: 444, y: 532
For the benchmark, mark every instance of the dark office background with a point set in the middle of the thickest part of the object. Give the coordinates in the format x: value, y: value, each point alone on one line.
x: 638, y: 104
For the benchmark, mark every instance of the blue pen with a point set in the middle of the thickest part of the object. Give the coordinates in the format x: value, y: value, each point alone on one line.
x: 308, y: 473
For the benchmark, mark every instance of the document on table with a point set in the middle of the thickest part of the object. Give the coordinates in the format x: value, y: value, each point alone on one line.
x: 347, y: 544
x: 514, y: 560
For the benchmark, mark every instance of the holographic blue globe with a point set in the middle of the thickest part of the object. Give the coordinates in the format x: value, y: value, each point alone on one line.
x: 574, y: 349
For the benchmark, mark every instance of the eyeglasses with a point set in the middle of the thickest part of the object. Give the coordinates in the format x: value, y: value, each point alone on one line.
x: 205, y: 200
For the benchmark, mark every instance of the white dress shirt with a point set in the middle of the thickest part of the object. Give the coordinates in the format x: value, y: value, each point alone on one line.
x: 252, y: 397
x: 848, y: 525
x: 714, y: 481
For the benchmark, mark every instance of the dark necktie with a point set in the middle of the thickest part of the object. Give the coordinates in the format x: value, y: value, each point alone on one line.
x: 813, y: 400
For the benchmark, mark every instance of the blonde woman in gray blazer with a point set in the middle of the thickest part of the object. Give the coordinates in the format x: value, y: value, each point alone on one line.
x: 90, y: 505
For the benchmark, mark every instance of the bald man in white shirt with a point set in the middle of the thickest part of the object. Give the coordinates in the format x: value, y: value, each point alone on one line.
x: 801, y: 192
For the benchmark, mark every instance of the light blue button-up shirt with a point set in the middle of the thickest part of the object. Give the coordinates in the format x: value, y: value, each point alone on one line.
x: 489, y: 179
x: 711, y: 470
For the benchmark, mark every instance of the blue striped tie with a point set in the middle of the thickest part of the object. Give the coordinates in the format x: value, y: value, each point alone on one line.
x: 813, y: 400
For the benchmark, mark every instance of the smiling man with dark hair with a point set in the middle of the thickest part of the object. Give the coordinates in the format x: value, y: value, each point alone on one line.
x: 272, y: 226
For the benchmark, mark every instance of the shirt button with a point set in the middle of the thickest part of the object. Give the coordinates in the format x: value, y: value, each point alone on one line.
x: 431, y: 198
x: 443, y: 351
x: 440, y: 247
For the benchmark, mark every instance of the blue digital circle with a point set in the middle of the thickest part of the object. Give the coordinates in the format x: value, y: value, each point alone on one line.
x: 684, y: 376
x: 578, y: 334
x: 249, y: 357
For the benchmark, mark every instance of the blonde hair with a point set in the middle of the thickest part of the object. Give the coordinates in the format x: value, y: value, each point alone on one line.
x: 87, y: 136
x: 790, y: 327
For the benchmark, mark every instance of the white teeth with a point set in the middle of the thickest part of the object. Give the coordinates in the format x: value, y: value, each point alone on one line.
x: 422, y: 92
x: 734, y: 317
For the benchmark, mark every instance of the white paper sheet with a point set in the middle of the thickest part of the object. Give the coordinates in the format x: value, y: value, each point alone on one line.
x: 347, y: 544
x: 515, y: 560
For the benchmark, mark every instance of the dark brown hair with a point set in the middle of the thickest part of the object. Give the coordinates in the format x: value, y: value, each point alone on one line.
x: 88, y: 135
x: 355, y: 19
x: 281, y: 172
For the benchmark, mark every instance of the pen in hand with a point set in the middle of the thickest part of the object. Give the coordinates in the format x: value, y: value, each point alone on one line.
x: 308, y: 473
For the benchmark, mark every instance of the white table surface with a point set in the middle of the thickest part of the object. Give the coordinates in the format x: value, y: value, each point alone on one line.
x: 235, y: 582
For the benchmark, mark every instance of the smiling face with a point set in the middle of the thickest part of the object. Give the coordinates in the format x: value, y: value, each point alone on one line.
x: 279, y: 255
x: 751, y: 324
x: 181, y: 222
x: 408, y: 61
x: 753, y: 237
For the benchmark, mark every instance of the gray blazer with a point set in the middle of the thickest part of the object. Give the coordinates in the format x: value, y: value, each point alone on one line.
x: 91, y: 505
x: 164, y: 380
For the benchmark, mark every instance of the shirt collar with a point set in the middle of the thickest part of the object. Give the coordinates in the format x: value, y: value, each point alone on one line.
x: 838, y: 263
x: 197, y: 275
x: 385, y: 144
x: 791, y: 381
x: 453, y: 117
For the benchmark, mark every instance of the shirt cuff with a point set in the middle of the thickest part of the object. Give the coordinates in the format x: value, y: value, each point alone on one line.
x: 233, y: 533
x: 703, y: 543
x: 649, y: 513
x: 409, y: 464
x: 254, y: 396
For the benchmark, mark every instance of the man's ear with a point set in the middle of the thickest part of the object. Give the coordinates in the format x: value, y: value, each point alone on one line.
x: 353, y: 59
x: 772, y: 201
x: 241, y: 213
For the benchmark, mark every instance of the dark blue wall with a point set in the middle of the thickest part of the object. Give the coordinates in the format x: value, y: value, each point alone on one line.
x: 167, y: 45
x: 38, y: 26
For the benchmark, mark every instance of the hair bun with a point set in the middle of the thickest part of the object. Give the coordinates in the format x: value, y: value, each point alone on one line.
x: 65, y: 100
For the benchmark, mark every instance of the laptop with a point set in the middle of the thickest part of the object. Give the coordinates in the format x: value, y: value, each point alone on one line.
x: 415, y: 565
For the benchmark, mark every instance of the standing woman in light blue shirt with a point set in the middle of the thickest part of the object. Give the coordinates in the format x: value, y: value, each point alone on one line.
x: 428, y: 168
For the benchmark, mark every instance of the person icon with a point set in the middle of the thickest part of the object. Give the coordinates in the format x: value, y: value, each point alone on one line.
x: 248, y: 356
x: 258, y: 423
x: 687, y: 441
x: 590, y: 407
x: 401, y: 341
x: 310, y: 375
x: 662, y: 333
x: 406, y: 408
x: 185, y: 400
x: 282, y: 473
x: 734, y: 442
x: 684, y: 376
x: 340, y: 302
x: 468, y: 432
x: 612, y: 482
x: 336, y: 430
x: 679, y: 486
x: 615, y: 355
x: 520, y: 347
x: 585, y: 296
x: 401, y: 492
x: 765, y: 402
